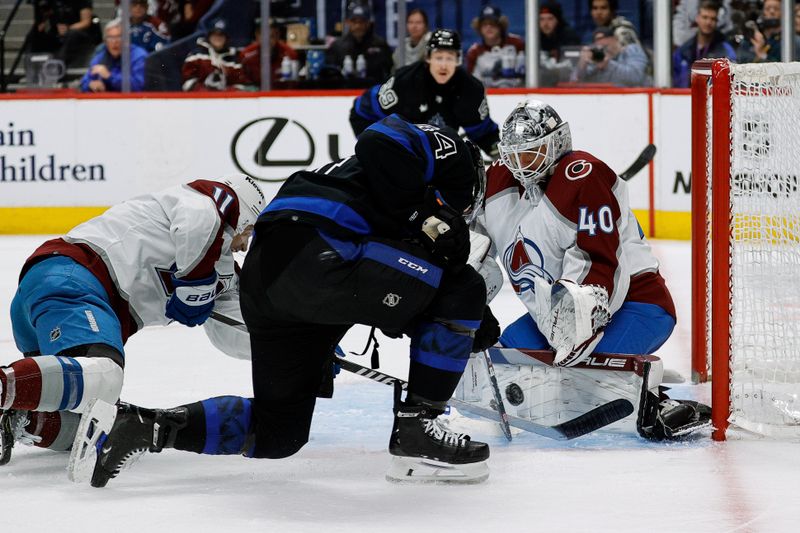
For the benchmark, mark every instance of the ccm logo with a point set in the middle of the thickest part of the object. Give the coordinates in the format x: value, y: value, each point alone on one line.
x: 608, y: 361
x: 412, y: 266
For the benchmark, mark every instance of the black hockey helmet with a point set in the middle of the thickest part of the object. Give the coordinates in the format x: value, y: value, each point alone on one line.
x: 444, y: 39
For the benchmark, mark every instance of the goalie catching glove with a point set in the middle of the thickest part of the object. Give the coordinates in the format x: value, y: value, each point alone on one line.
x: 192, y: 301
x: 572, y: 318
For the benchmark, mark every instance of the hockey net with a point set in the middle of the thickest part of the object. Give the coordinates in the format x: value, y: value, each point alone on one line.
x: 746, y: 243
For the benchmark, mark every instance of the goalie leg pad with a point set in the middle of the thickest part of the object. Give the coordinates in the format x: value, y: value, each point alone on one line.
x: 419, y: 470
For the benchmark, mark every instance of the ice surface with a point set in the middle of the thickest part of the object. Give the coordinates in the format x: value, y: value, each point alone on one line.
x: 601, y: 482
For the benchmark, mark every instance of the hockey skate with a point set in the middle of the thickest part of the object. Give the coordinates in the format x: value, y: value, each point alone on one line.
x: 425, y: 450
x: 112, y: 438
x: 12, y: 429
x: 670, y: 419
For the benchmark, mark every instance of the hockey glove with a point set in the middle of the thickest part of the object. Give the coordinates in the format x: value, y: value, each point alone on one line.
x: 488, y: 332
x: 572, y: 317
x: 192, y: 301
x: 445, y: 232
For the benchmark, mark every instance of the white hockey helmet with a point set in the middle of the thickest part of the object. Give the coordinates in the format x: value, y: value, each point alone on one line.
x: 251, y: 199
x: 533, y: 129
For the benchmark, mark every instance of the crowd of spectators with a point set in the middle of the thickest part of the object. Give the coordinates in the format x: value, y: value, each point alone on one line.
x: 606, y: 50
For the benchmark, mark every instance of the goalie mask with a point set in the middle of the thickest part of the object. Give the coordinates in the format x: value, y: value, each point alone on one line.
x: 532, y: 140
x: 251, y: 199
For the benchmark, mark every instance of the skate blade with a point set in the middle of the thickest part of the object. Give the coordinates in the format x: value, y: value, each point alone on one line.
x: 419, y: 470
x: 96, y: 422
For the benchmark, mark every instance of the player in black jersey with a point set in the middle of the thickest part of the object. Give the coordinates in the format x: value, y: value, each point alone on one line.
x: 435, y: 91
x: 349, y: 243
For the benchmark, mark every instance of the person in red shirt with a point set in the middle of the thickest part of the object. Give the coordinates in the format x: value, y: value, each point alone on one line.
x: 213, y: 65
x: 251, y: 55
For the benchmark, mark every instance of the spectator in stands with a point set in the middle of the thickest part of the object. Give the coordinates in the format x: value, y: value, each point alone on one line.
x: 417, y: 37
x: 360, y: 40
x: 147, y: 31
x: 796, y: 22
x: 64, y: 28
x: 105, y: 69
x: 609, y: 61
x: 684, y: 21
x: 554, y: 33
x: 762, y: 42
x: 251, y: 55
x: 708, y: 42
x: 493, y: 60
x: 182, y: 16
x: 213, y: 65
x: 604, y: 14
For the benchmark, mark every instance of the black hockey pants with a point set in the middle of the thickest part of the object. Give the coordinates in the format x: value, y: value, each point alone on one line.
x: 300, y: 293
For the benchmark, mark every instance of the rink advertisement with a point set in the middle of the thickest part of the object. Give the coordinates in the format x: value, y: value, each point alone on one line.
x: 64, y: 160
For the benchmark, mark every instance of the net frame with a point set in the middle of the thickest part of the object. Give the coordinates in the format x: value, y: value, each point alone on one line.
x: 721, y: 94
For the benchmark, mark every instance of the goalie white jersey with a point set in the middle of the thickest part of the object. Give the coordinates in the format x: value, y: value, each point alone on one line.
x: 186, y: 230
x: 581, y: 229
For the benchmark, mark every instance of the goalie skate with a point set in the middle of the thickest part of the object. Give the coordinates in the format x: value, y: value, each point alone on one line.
x: 93, y: 429
x: 421, y: 470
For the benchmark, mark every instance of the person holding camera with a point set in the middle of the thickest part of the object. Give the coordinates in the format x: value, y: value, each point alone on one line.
x: 761, y: 42
x: 708, y: 42
x: 609, y: 61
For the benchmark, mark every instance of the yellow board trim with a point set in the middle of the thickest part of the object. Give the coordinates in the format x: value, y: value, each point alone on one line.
x: 49, y: 220
x: 676, y: 225
x: 44, y: 220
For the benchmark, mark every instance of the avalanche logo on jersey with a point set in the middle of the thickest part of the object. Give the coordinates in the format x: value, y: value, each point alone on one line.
x: 523, y: 262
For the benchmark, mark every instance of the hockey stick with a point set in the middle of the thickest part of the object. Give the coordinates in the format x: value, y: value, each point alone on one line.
x: 644, y: 158
x: 595, y: 419
x: 498, y: 397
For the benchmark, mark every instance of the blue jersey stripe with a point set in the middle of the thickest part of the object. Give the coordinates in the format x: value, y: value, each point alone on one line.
x: 338, y: 212
x: 395, y: 135
x: 479, y: 130
x: 435, y: 360
x: 212, y: 426
x: 399, y: 260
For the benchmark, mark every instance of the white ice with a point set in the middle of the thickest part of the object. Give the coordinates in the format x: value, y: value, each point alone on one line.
x: 600, y: 482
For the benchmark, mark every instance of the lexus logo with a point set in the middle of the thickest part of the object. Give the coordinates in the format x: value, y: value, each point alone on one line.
x: 272, y: 148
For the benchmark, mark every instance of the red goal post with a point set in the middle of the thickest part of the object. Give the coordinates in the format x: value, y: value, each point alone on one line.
x: 746, y: 243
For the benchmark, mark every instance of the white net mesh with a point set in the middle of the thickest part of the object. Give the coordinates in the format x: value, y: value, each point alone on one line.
x: 765, y: 254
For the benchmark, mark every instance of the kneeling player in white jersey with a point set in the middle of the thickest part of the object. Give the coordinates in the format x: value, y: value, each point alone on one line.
x: 562, y: 225
x: 147, y: 261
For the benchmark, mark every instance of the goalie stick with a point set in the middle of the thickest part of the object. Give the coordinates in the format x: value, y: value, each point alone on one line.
x: 595, y: 419
x: 644, y: 158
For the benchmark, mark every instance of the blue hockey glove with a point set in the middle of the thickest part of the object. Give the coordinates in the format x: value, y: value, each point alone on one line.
x: 193, y: 300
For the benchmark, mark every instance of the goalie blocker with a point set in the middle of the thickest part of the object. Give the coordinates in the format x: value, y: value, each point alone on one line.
x: 533, y: 388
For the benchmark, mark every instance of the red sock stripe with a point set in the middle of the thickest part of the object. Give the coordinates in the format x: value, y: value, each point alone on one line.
x: 45, y: 425
x: 27, y: 384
